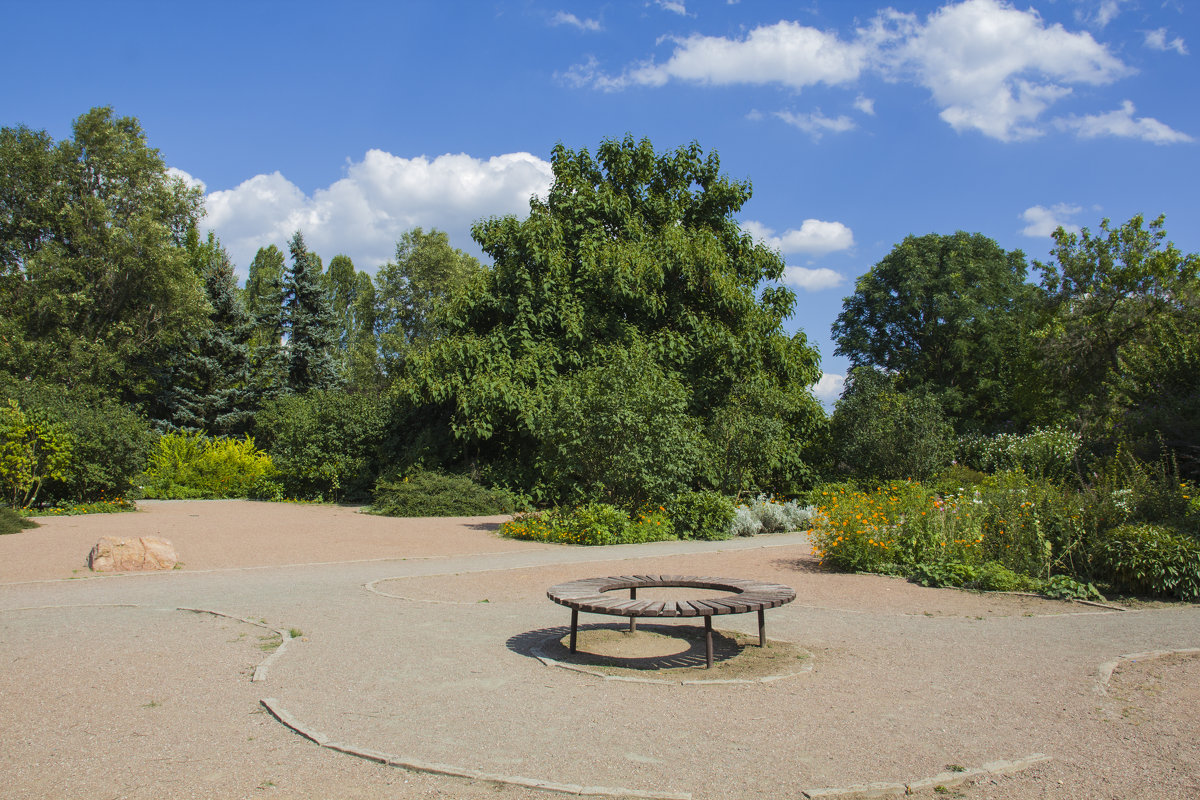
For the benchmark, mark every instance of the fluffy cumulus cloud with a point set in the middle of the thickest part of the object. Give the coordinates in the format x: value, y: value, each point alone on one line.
x: 1121, y: 123
x: 995, y: 69
x: 991, y: 67
x: 811, y: 280
x: 1041, y: 221
x: 829, y: 388
x: 382, y: 196
x: 813, y: 237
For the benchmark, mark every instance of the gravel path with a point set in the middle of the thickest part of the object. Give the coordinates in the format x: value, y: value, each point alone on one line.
x: 415, y: 643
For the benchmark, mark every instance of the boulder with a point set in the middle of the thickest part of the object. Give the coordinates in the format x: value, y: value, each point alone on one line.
x: 145, y: 553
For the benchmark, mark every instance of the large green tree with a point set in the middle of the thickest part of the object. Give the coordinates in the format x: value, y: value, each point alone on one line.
x: 411, y: 289
x: 95, y: 279
x: 631, y: 249
x: 205, y: 382
x: 352, y: 299
x: 948, y: 315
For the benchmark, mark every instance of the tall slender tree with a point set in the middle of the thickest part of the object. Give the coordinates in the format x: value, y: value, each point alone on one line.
x: 263, y: 297
x: 309, y: 322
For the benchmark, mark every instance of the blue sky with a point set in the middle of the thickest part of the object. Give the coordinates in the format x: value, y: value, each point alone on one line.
x: 858, y: 123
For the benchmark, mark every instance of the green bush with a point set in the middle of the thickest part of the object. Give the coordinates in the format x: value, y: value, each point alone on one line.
x: 109, y: 442
x: 191, y: 465
x: 11, y: 522
x: 1150, y: 559
x: 323, y: 443
x: 619, y: 432
x: 1043, y: 452
x: 591, y: 524
x: 434, y: 494
x: 1031, y: 525
x: 1064, y: 587
x: 879, y: 431
x: 702, y: 515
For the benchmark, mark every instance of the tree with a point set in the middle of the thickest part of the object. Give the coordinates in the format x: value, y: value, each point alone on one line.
x: 411, y: 289
x: 263, y: 297
x: 1109, y: 297
x: 95, y: 279
x: 948, y: 315
x: 308, y: 322
x: 205, y: 383
x: 630, y: 249
x: 352, y: 299
x: 881, y: 432
x: 31, y: 452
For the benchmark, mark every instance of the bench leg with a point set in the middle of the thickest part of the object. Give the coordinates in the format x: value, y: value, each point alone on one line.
x: 574, y: 626
x: 633, y: 620
x: 762, y: 628
x: 708, y: 642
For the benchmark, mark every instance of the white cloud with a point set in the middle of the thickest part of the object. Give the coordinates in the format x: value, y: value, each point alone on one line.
x: 814, y: 237
x: 564, y: 18
x: 829, y: 388
x: 995, y: 69
x: 1121, y: 123
x: 1099, y: 13
x: 990, y: 67
x: 865, y: 104
x: 811, y: 280
x: 674, y: 6
x: 1044, y: 221
x: 787, y: 53
x: 817, y: 124
x: 1157, y: 40
x: 364, y: 213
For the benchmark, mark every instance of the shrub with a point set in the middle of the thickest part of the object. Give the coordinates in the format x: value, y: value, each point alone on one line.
x: 702, y: 515
x: 1064, y: 587
x: 881, y: 432
x: 32, y: 450
x: 424, y: 493
x: 191, y: 465
x: 109, y: 442
x: 745, y: 522
x: 651, y: 525
x: 11, y: 522
x: 323, y: 443
x: 1032, y: 525
x: 1150, y: 559
x: 590, y: 524
x: 1043, y: 452
x: 619, y: 432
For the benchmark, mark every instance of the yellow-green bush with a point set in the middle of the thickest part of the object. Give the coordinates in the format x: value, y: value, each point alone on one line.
x: 191, y: 465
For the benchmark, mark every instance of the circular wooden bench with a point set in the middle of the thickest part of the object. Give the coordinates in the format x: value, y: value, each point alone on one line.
x: 589, y: 595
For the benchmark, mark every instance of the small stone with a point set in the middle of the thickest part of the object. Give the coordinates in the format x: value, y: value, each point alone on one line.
x: 143, y: 554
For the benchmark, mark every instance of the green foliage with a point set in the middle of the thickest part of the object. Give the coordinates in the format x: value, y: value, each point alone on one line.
x: 1150, y: 559
x: 191, y: 465
x: 948, y: 315
x: 701, y: 515
x: 412, y: 291
x: 1108, y: 293
x: 95, y: 281
x: 881, y: 432
x: 591, y: 524
x: 352, y: 299
x: 423, y: 493
x: 619, y: 432
x: 1064, y: 587
x: 308, y: 322
x: 325, y: 444
x: 1032, y: 525
x: 263, y: 297
x: 32, y: 451
x: 631, y: 250
x: 1043, y: 452
x: 12, y: 522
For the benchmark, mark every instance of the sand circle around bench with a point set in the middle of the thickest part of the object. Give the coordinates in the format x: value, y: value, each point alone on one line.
x: 671, y: 654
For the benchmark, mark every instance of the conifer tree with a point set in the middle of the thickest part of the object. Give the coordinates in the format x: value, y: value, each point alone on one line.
x: 263, y: 297
x: 205, y: 383
x: 308, y: 322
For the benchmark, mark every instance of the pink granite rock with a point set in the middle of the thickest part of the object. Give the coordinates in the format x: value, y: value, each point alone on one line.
x: 112, y: 554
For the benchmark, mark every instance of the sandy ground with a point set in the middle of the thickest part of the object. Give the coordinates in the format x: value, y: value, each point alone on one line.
x: 416, y: 639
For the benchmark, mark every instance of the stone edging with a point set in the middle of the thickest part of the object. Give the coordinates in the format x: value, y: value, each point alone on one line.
x: 415, y: 765
x: 260, y: 670
x: 1105, y: 671
x: 871, y: 791
x: 537, y: 652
